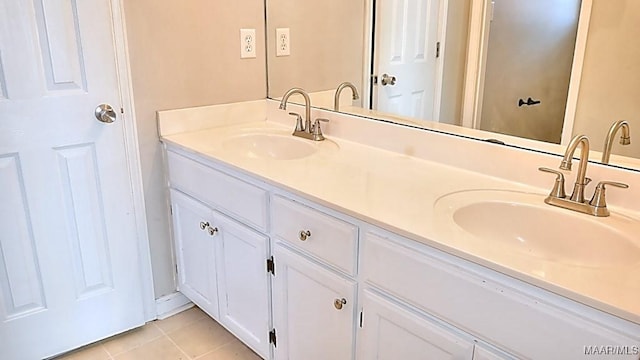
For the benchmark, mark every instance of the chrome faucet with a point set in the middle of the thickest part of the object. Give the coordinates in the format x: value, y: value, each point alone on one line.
x: 625, y: 138
x: 307, y: 108
x: 597, y: 206
x: 305, y: 130
x: 336, y: 98
x: 581, y: 178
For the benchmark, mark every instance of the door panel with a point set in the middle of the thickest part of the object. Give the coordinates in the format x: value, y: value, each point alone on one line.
x: 20, y: 276
x: 68, y: 250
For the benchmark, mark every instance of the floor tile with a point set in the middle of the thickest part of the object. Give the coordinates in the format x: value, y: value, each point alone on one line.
x: 180, y: 320
x: 90, y: 352
x: 132, y: 339
x: 201, y: 337
x: 235, y: 350
x: 159, y: 349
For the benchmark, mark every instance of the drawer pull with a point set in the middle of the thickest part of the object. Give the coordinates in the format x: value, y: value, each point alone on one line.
x: 212, y: 231
x: 304, y: 235
x: 338, y: 303
x: 203, y: 225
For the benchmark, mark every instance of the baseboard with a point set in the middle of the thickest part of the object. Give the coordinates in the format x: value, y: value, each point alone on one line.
x: 172, y: 304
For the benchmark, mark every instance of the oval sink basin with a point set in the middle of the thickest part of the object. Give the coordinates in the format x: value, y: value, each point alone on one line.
x: 274, y: 145
x: 523, y: 223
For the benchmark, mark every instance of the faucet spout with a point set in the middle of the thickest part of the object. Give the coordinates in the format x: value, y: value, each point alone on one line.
x: 625, y: 138
x: 336, y: 98
x: 307, y: 105
x: 581, y: 178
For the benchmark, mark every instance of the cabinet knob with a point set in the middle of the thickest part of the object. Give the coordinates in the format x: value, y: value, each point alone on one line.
x: 338, y: 303
x: 304, y: 234
x: 212, y: 230
x: 203, y: 225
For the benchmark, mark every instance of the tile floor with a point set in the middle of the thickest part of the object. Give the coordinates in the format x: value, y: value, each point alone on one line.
x: 188, y: 335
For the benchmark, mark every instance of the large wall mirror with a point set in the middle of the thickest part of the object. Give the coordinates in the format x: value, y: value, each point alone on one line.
x: 529, y: 73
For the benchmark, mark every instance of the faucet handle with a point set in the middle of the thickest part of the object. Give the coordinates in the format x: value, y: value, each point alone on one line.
x: 599, y: 196
x: 299, y: 126
x: 558, y: 186
x: 317, y: 131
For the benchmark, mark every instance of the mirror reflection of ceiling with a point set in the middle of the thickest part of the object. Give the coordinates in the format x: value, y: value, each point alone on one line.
x: 330, y: 43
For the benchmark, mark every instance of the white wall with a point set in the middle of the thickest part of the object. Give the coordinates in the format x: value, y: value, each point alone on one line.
x: 185, y: 54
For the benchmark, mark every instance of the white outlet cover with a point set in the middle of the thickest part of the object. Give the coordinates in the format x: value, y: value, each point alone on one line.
x: 247, y: 43
x: 283, y: 42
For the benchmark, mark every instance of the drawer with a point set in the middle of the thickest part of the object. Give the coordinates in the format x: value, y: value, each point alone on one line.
x: 332, y: 240
x: 234, y: 197
x: 518, y: 321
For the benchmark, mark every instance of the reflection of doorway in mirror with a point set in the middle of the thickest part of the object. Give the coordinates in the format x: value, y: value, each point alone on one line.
x: 408, y: 57
x: 529, y: 56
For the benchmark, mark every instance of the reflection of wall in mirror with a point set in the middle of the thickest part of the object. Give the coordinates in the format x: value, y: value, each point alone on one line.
x: 530, y: 54
x: 327, y: 44
x: 455, y: 58
x: 610, y: 84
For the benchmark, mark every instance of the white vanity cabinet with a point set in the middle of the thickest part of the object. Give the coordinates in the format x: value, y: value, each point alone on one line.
x: 314, y: 292
x: 345, y: 289
x: 222, y: 264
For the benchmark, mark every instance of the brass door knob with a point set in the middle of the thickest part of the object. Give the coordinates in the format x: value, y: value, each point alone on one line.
x: 338, y: 303
x: 304, y: 235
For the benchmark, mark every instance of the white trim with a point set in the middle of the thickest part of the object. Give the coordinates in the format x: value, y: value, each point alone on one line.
x: 133, y: 157
x: 365, y: 92
x: 443, y: 14
x: 576, y: 71
x: 172, y: 304
x: 474, y: 73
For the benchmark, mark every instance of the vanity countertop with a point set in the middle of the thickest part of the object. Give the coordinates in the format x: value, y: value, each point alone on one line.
x: 397, y: 192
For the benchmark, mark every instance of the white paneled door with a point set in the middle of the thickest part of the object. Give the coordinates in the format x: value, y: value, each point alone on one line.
x: 69, y: 268
x: 409, y: 51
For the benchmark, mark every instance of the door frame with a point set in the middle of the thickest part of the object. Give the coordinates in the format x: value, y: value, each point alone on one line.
x: 125, y: 89
x: 478, y: 41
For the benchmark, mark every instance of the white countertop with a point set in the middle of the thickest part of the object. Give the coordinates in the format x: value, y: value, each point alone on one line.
x: 397, y: 192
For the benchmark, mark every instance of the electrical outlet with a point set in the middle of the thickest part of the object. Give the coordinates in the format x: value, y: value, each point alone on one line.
x: 283, y: 42
x: 247, y: 43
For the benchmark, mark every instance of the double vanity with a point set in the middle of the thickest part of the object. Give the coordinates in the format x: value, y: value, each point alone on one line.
x: 357, y: 247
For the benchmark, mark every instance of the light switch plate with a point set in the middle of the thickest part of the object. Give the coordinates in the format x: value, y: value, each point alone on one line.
x: 283, y: 42
x: 247, y: 43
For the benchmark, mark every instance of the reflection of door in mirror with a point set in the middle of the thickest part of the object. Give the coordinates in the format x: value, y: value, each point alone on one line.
x: 408, y: 62
x: 529, y: 56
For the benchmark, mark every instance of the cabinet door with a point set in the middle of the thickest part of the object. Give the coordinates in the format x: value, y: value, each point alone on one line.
x: 195, y: 252
x: 309, y: 323
x: 243, y: 283
x: 391, y: 332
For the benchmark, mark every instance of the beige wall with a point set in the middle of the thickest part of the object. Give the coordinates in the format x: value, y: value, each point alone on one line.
x: 610, y: 84
x: 185, y: 54
x: 455, y: 61
x: 327, y: 44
